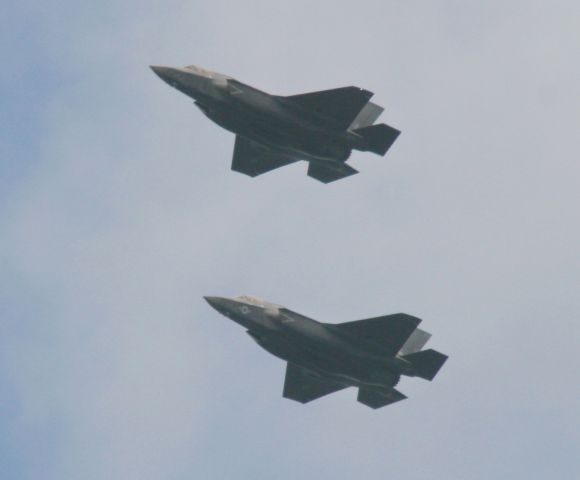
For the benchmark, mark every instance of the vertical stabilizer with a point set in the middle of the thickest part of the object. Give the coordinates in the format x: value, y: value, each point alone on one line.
x: 416, y: 342
x: 370, y: 112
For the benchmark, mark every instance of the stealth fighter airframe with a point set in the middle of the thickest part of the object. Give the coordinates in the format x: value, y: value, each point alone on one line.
x: 272, y: 131
x: 323, y: 358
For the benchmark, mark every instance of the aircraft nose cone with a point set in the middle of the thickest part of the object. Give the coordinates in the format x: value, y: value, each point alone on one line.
x: 213, y: 301
x: 219, y: 303
x: 160, y: 70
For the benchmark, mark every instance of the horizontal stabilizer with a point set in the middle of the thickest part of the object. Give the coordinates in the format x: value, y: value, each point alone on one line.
x: 390, y: 331
x: 378, y: 138
x: 304, y: 385
x: 340, y: 105
x: 426, y: 363
x: 377, y: 398
x: 416, y: 342
x: 329, y: 172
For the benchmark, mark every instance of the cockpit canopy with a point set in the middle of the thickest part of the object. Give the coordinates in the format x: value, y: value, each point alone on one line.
x: 199, y: 71
x: 203, y: 72
x: 251, y: 300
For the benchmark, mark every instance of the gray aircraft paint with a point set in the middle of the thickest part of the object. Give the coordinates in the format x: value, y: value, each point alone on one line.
x: 324, y: 358
x: 272, y: 131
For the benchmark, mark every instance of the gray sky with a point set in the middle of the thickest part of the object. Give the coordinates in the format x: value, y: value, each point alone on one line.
x: 118, y: 212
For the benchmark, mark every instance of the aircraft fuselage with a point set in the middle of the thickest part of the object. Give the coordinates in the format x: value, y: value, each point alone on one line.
x: 266, y: 119
x: 317, y: 346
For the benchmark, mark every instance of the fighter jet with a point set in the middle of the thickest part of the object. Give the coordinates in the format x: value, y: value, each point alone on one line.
x: 323, y: 358
x: 272, y: 131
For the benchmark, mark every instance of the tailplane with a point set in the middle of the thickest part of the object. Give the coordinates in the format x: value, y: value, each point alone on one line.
x: 426, y: 363
x: 378, y: 138
x: 375, y: 398
x: 329, y: 172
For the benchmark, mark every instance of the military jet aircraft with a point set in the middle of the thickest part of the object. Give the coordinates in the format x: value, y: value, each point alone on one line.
x: 323, y: 358
x: 272, y: 131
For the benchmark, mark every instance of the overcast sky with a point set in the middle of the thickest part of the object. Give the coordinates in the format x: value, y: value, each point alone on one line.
x: 118, y: 212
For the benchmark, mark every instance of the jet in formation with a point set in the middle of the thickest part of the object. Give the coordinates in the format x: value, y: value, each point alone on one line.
x: 272, y: 131
x: 323, y: 358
